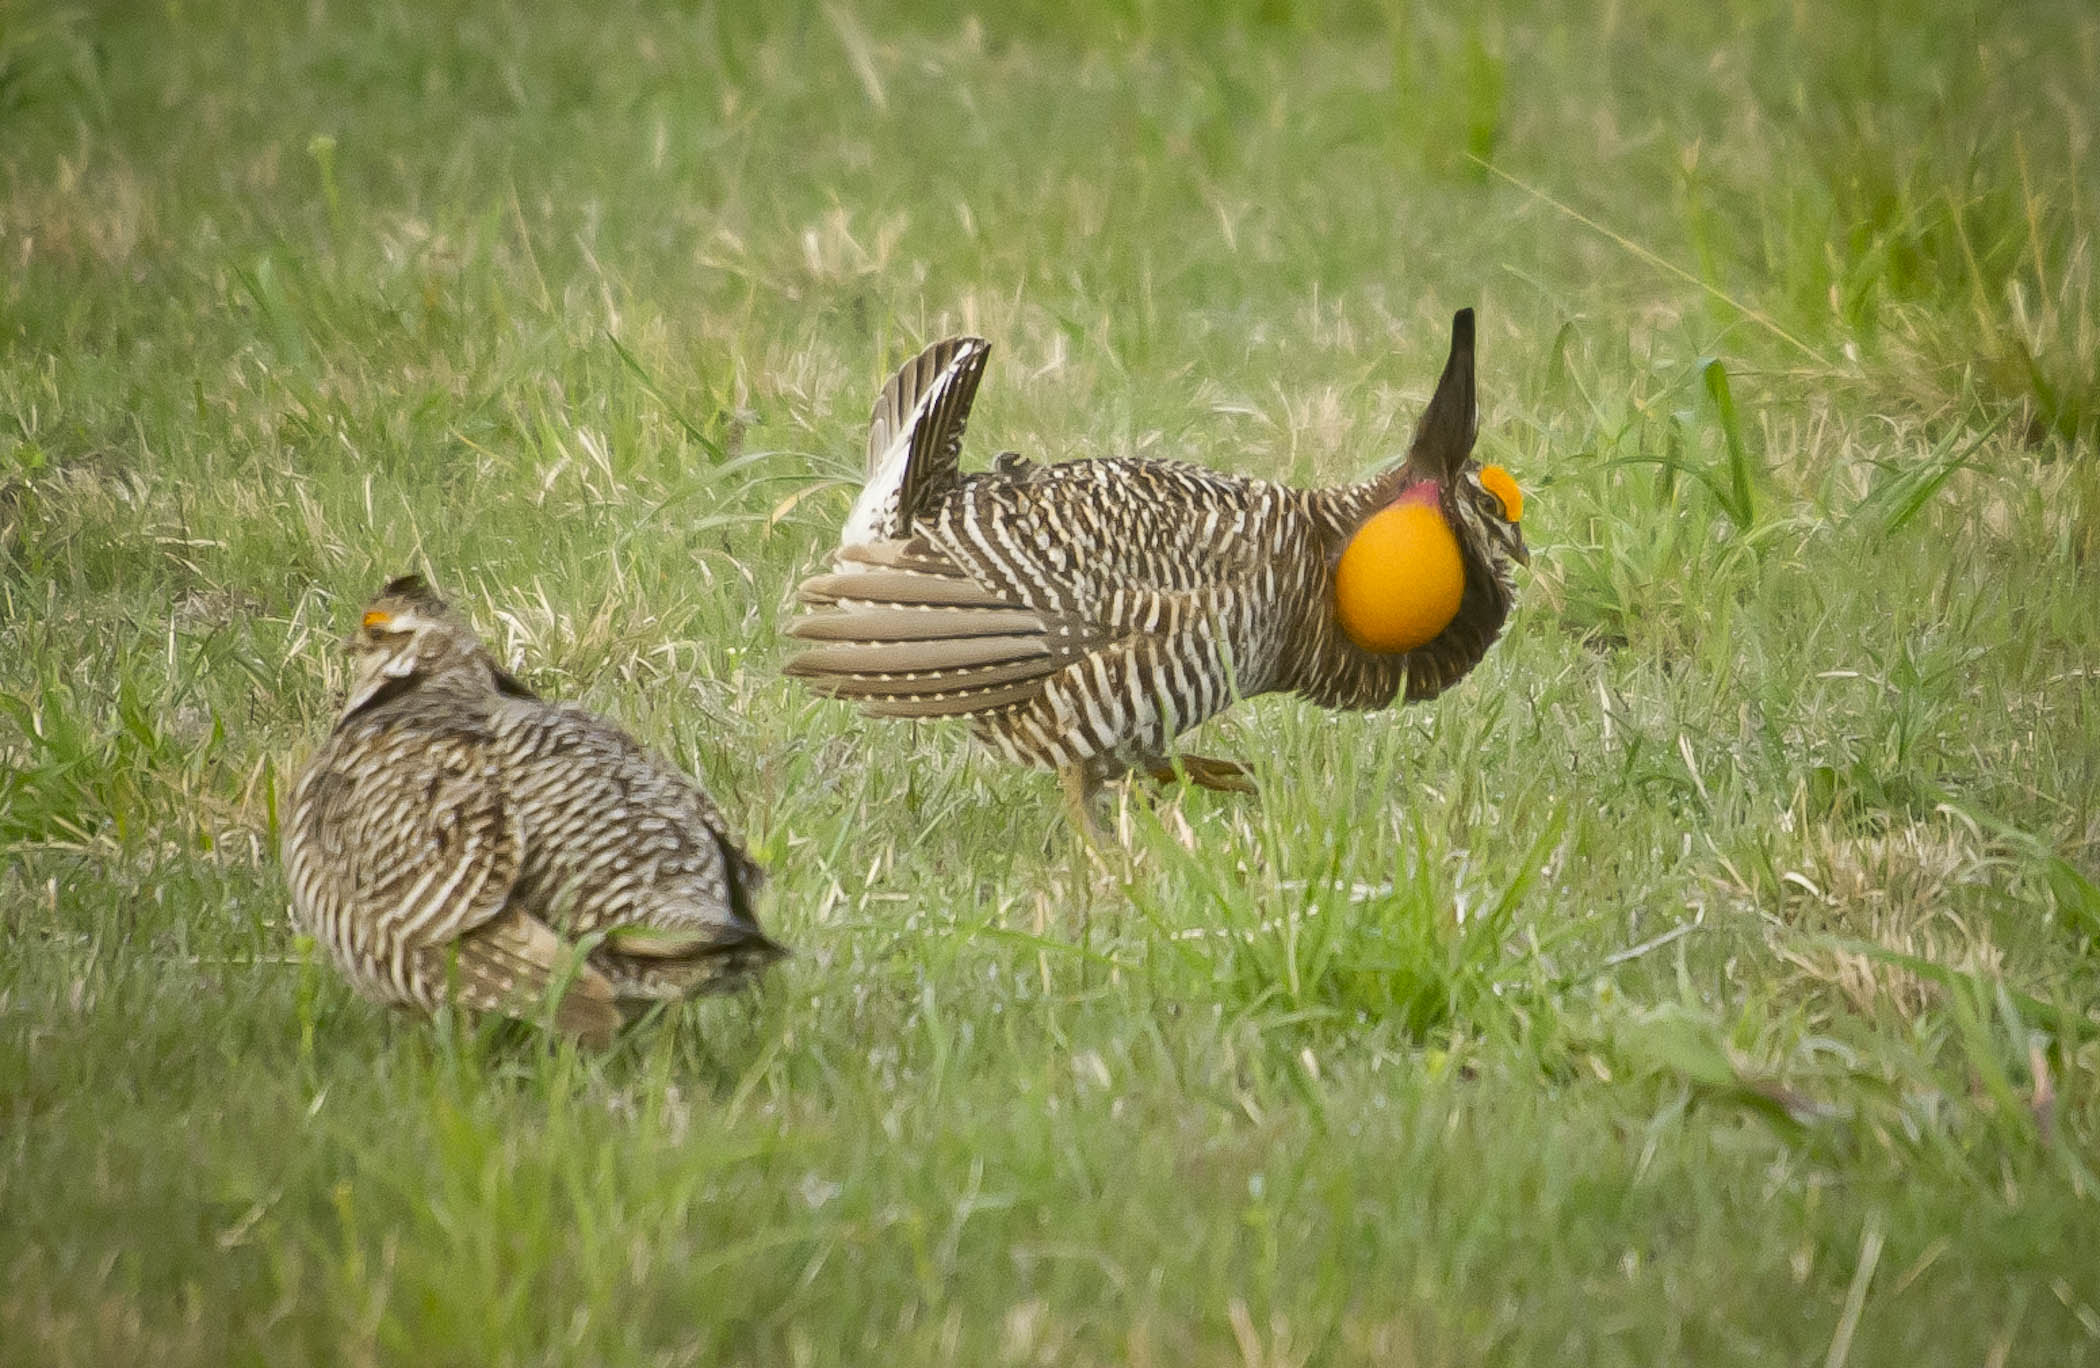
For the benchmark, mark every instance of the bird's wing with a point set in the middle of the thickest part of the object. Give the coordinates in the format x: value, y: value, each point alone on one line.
x: 513, y: 963
x: 625, y: 847
x: 403, y: 855
x: 906, y: 631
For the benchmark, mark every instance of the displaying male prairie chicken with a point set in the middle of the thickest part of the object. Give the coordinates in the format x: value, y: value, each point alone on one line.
x: 458, y: 839
x: 1081, y: 615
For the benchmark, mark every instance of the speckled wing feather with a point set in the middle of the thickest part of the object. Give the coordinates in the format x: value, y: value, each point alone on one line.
x: 511, y: 962
x: 623, y: 847
x: 402, y: 847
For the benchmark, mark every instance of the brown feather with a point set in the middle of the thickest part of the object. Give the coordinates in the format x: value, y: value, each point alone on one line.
x: 509, y: 964
x: 912, y: 624
x: 955, y: 702
x: 928, y: 684
x: 902, y: 587
x: 897, y: 553
x: 916, y: 657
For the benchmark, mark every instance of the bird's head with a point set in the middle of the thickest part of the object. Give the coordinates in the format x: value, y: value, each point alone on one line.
x: 407, y: 636
x: 1449, y: 526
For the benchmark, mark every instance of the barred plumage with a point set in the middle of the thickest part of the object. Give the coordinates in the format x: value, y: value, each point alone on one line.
x: 1081, y: 615
x: 457, y: 838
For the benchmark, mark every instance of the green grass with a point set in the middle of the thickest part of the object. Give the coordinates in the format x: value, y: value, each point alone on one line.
x: 1708, y: 980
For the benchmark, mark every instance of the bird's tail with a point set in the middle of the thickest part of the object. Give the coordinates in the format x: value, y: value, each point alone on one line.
x: 915, y: 437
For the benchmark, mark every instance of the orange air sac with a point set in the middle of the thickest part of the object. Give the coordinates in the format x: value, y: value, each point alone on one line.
x: 1401, y: 577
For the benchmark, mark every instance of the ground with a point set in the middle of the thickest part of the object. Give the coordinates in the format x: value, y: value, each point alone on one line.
x: 1708, y: 979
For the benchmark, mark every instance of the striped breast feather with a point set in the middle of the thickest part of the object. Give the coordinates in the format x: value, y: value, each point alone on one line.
x: 439, y: 844
x: 915, y: 438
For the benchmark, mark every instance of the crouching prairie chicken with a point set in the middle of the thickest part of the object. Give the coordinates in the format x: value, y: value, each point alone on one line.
x: 1081, y: 615
x: 458, y: 839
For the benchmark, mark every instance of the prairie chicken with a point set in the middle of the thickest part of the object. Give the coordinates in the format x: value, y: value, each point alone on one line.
x: 1081, y: 615
x: 457, y: 838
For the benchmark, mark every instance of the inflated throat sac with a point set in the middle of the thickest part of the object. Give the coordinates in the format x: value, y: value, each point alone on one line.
x: 1401, y: 577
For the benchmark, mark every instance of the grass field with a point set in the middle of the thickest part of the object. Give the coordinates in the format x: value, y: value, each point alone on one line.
x: 1709, y: 979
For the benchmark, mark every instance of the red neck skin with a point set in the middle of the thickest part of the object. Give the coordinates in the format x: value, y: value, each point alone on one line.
x: 1421, y: 492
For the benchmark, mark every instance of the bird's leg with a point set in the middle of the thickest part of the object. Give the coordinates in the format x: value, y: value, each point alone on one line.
x: 1223, y: 776
x: 1081, y: 791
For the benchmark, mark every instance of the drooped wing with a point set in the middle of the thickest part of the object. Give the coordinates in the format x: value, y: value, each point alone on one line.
x: 906, y: 631
x: 512, y: 962
x: 924, y: 630
x: 402, y: 853
x: 623, y: 846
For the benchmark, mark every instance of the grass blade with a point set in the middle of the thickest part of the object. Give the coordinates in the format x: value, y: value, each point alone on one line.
x: 1739, y: 500
x: 716, y: 453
